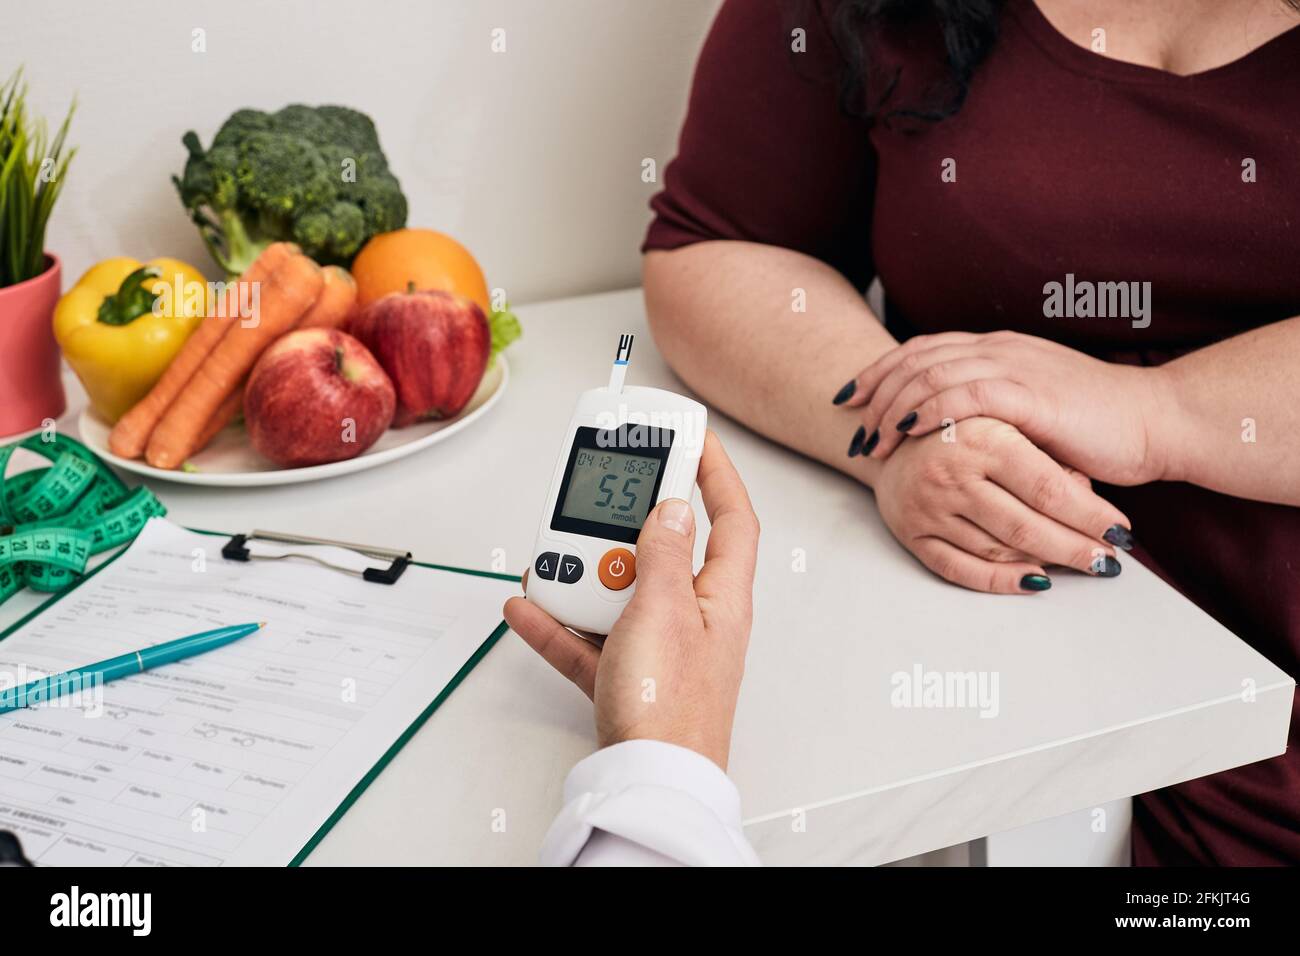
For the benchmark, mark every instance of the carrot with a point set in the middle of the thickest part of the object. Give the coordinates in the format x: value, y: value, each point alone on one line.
x: 220, y: 418
x: 337, y: 299
x: 285, y: 298
x: 131, y: 434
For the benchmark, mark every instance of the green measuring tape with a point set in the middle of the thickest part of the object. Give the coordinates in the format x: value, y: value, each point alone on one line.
x: 53, y: 519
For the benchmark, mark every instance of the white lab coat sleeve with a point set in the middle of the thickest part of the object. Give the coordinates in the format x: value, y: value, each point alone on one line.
x: 648, y: 803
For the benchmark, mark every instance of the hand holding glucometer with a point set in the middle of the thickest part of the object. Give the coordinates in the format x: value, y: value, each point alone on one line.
x: 671, y: 666
x: 625, y: 449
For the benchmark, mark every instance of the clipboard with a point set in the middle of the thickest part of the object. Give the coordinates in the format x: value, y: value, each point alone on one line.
x: 397, y: 563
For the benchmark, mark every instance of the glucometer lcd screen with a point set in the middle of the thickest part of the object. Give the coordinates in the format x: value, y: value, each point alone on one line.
x: 610, y: 487
x: 611, y: 481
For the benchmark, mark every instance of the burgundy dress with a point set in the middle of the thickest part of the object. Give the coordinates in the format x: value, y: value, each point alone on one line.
x: 1065, y: 162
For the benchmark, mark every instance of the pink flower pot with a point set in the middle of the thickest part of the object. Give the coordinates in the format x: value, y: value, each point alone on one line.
x: 31, y: 383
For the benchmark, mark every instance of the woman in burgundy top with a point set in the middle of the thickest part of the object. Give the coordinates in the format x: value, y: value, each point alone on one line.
x: 1085, y: 220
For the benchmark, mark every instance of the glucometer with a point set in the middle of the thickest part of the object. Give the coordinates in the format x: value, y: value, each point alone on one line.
x: 625, y: 450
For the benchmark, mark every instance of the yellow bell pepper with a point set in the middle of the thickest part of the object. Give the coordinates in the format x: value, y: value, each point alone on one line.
x: 123, y: 323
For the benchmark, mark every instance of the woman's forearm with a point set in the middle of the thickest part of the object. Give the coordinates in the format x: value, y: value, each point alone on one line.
x: 1233, y: 421
x: 724, y: 314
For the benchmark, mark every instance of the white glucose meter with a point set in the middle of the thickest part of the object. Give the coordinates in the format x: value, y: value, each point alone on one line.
x: 625, y: 450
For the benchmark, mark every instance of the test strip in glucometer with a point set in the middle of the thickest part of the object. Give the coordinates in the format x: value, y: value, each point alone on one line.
x: 622, y: 355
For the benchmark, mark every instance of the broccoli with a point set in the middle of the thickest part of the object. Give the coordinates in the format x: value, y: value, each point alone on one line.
x: 311, y: 175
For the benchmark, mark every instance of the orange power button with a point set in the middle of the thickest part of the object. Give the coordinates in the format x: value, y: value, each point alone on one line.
x: 617, y: 568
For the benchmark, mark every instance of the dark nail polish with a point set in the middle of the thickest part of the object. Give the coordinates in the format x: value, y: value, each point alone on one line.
x: 844, y: 394
x: 908, y: 421
x: 870, y: 444
x: 1106, y: 567
x: 1119, y: 536
x: 1035, y: 582
x: 855, y: 446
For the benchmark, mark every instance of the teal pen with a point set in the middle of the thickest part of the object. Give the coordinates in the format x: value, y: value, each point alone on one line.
x: 136, y: 662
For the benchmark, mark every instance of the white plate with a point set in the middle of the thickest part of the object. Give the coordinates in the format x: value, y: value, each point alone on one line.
x: 230, y: 461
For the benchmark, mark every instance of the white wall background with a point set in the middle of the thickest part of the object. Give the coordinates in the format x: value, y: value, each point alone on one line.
x: 531, y: 157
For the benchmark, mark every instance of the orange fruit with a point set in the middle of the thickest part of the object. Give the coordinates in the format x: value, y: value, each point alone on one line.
x: 392, y: 261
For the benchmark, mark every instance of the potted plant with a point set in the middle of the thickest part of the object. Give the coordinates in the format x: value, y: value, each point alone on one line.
x: 31, y: 175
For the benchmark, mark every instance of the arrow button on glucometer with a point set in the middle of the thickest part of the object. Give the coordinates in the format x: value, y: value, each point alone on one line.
x: 546, y: 565
x: 570, y: 569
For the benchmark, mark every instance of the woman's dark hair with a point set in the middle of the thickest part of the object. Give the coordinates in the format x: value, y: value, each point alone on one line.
x: 968, y: 28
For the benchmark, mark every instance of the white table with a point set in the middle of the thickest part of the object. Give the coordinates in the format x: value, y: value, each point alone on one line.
x: 1107, y: 688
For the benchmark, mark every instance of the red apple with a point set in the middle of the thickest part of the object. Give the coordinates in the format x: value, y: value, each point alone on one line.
x: 316, y: 395
x: 434, y: 345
